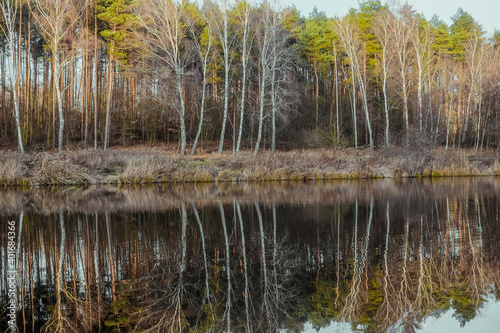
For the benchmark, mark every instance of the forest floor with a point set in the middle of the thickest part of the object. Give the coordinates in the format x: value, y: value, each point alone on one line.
x: 141, y: 164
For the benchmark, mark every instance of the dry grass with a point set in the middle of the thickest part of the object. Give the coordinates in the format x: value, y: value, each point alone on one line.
x: 142, y: 166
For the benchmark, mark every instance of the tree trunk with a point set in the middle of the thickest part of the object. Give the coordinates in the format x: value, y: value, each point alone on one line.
x: 226, y: 81
x: 261, y: 110
x: 182, y: 111
x: 108, y: 101
x: 59, y: 99
x: 244, y: 60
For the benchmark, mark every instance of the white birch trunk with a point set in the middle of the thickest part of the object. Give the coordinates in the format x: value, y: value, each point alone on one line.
x: 225, y: 47
x: 203, y: 95
x: 244, y: 60
x: 181, y: 111
x: 263, y: 80
x: 9, y: 13
x: 273, y: 102
x: 59, y: 99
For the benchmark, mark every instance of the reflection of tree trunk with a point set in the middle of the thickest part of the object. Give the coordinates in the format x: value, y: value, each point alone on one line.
x: 111, y: 257
x: 386, y: 305
x: 98, y: 278
x: 351, y: 302
x: 245, y: 266
x: 264, y: 264
x: 205, y: 261
x: 318, y: 257
x: 337, y: 261
x: 57, y: 320
x: 166, y: 311
x: 424, y: 296
x: 404, y: 275
x: 275, y: 249
x: 228, y: 268
x: 476, y: 279
x: 20, y: 269
x: 367, y: 241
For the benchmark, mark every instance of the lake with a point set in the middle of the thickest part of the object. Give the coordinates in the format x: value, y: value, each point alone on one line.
x: 368, y: 255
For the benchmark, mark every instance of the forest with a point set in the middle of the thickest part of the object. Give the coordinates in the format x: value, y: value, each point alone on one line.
x: 236, y: 75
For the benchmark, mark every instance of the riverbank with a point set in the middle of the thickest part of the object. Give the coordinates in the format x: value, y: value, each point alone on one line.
x: 141, y: 165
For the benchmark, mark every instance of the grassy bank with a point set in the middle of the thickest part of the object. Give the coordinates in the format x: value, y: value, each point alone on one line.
x: 147, y: 165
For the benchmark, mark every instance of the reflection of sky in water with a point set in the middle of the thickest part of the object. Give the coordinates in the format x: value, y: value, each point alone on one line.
x: 486, y: 321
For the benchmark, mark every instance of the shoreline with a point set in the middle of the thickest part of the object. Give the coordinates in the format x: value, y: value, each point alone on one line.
x: 140, y: 165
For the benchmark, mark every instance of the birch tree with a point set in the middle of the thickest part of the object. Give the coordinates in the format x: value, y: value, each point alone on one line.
x: 384, y: 33
x: 244, y: 11
x: 402, y: 25
x: 55, y: 19
x: 350, y: 36
x: 271, y: 42
x: 264, y: 38
x: 475, y: 59
x: 162, y: 21
x: 203, y: 46
x: 9, y: 10
x: 219, y: 22
x: 418, y: 39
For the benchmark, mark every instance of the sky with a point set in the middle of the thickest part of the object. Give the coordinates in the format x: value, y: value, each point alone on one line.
x: 485, y: 12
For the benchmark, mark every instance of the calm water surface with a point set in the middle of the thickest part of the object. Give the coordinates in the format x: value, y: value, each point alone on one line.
x: 374, y: 256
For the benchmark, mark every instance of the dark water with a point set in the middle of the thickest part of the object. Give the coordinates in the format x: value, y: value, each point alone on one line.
x: 375, y: 256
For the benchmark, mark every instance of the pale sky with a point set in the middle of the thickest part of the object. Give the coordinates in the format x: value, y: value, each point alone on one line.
x: 485, y: 12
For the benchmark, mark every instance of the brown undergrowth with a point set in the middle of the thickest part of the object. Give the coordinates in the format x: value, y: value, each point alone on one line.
x: 147, y: 165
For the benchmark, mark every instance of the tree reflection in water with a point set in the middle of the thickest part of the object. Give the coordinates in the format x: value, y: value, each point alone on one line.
x: 382, y: 260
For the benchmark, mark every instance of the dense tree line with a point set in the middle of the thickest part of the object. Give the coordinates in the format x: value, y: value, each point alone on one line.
x: 244, y: 75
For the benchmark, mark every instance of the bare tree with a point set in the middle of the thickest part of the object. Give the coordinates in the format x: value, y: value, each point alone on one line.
x: 55, y: 20
x: 419, y: 36
x: 244, y: 14
x: 475, y: 59
x: 9, y: 11
x: 384, y: 33
x: 219, y: 19
x: 349, y: 34
x: 204, y: 54
x: 162, y: 21
x: 271, y: 53
x: 402, y: 25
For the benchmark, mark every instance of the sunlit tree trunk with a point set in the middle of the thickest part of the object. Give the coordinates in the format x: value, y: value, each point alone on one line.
x: 109, y: 96
x: 8, y: 13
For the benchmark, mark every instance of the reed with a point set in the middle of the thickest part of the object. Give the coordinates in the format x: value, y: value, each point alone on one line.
x: 146, y: 166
